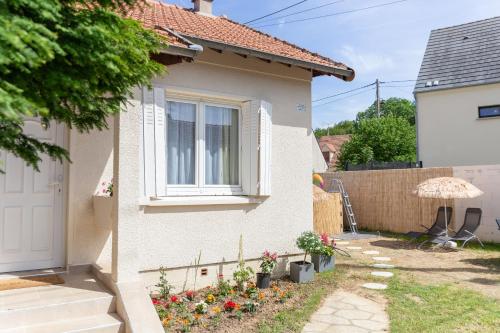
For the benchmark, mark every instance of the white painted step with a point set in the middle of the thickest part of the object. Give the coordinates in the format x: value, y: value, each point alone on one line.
x: 80, y: 296
x: 105, y: 323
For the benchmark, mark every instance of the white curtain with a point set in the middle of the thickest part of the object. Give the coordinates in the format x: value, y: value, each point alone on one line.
x: 181, y: 143
x: 221, y: 146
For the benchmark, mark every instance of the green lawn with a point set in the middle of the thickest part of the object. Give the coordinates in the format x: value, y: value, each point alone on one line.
x: 415, y: 307
x: 311, y: 294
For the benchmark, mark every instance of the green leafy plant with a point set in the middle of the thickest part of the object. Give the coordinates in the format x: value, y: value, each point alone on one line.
x: 242, y: 274
x: 309, y: 242
x: 326, y: 248
x: 164, y: 286
x: 72, y: 62
x: 268, y: 261
x: 250, y: 306
x: 223, y: 286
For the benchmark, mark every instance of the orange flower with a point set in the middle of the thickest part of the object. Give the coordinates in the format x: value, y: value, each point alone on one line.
x: 237, y: 306
x: 165, y: 322
x: 261, y: 296
x: 197, y: 316
x: 232, y: 291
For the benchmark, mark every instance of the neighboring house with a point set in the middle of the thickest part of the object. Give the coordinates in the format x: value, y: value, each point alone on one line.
x: 330, y: 147
x: 458, y: 96
x: 219, y: 147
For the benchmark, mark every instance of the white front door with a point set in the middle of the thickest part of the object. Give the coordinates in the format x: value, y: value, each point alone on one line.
x: 31, y: 207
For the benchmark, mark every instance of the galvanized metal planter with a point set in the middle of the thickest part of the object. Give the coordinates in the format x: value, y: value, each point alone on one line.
x: 323, y: 263
x: 301, y: 271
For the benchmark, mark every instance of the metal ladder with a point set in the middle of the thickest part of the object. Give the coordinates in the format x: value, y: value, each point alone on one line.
x: 337, y: 183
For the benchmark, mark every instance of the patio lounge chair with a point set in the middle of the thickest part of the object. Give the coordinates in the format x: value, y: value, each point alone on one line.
x: 437, y: 228
x: 466, y: 233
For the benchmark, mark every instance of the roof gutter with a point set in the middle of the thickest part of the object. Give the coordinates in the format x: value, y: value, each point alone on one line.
x: 192, y: 50
x: 344, y: 74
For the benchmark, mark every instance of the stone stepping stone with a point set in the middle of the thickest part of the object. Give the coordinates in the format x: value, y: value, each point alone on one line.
x: 375, y: 286
x: 341, y: 242
x: 382, y: 258
x: 386, y: 266
x: 371, y: 252
x: 354, y: 247
x: 383, y: 274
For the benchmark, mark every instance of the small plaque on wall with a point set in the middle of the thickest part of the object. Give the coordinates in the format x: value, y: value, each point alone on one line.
x: 301, y: 108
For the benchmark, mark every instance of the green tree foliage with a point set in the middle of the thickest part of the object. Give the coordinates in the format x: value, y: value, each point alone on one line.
x: 342, y: 127
x: 384, y: 139
x: 72, y: 61
x: 396, y: 107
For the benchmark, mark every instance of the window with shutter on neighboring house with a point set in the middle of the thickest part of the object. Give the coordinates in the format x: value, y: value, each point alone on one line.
x: 204, y: 146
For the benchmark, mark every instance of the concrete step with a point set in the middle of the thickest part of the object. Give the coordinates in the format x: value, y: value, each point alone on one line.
x: 80, y: 296
x: 106, y: 323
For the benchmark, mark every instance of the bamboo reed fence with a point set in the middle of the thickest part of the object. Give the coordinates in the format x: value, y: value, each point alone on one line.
x: 327, y: 212
x: 383, y: 200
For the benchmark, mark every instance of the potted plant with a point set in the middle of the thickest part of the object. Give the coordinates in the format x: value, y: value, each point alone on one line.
x: 269, y: 261
x: 324, y: 259
x: 103, y: 206
x: 303, y: 271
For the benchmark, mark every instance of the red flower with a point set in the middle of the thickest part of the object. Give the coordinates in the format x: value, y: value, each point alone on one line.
x: 220, y: 276
x: 174, y: 299
x: 190, y: 295
x: 229, y: 306
x: 156, y: 301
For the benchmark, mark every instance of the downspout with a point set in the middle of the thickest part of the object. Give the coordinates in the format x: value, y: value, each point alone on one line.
x: 416, y: 127
x: 192, y: 46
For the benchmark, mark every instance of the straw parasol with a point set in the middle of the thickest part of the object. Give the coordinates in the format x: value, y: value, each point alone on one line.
x: 447, y: 188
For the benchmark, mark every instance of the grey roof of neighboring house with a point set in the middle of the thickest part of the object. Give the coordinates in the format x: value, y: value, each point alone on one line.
x: 462, y: 55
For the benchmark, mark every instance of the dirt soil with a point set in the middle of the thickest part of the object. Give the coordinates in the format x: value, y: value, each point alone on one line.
x: 474, y: 269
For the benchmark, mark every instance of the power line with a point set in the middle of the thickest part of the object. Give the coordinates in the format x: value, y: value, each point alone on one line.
x: 276, y: 12
x: 398, y: 81
x: 335, y: 14
x: 302, y: 11
x: 341, y: 98
x: 343, y: 93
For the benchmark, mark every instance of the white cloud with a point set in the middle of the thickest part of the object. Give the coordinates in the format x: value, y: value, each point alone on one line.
x: 366, y: 62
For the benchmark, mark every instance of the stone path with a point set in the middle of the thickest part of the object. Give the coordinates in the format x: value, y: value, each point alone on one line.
x: 344, y: 312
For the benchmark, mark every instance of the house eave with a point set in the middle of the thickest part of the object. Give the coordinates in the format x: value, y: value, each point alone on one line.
x: 453, y: 87
x: 317, y: 69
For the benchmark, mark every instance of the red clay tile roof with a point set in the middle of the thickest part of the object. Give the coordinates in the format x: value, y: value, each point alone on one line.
x: 332, y: 144
x: 186, y: 22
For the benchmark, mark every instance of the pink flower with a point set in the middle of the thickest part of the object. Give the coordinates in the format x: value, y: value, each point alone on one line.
x: 325, y: 239
x: 156, y: 301
x: 190, y: 294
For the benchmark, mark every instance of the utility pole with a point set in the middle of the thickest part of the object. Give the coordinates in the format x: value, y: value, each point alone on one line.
x: 377, y: 83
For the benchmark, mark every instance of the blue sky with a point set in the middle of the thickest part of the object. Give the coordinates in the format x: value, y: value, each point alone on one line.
x: 386, y: 42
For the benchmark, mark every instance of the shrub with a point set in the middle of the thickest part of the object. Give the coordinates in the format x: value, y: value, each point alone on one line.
x: 309, y: 242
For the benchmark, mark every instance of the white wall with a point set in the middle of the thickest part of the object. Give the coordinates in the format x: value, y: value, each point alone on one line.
x: 487, y: 179
x: 92, y: 163
x: 319, y: 163
x: 173, y: 236
x: 449, y: 130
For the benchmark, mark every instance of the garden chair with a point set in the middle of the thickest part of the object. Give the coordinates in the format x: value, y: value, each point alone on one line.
x: 472, y: 221
x: 437, y: 228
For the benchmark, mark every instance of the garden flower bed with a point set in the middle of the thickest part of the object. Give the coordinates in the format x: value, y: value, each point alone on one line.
x: 222, y: 307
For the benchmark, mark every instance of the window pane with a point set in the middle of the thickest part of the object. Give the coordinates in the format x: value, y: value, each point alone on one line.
x: 181, y: 143
x: 489, y: 111
x: 221, y: 146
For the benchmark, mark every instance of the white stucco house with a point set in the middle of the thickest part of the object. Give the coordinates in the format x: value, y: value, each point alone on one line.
x: 219, y: 147
x: 458, y: 96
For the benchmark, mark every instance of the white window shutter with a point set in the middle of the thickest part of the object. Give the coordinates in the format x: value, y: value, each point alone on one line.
x: 148, y: 130
x: 160, y: 124
x: 265, y: 145
x: 249, y: 144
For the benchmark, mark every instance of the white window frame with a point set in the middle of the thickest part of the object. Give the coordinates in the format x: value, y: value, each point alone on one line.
x: 200, y: 188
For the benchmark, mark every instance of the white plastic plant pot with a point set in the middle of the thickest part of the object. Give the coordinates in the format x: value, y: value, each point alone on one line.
x: 103, y: 211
